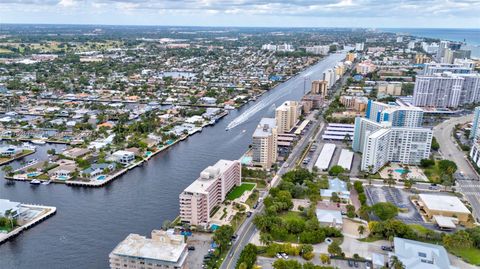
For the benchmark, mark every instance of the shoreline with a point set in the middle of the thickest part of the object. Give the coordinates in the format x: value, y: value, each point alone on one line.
x: 110, y: 178
x: 51, y: 210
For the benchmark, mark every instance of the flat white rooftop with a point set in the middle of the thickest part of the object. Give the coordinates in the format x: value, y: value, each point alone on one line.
x: 443, y: 203
x: 334, y: 137
x: 208, y: 177
x: 346, y: 158
x: 139, y: 246
x: 341, y: 125
x: 323, y: 161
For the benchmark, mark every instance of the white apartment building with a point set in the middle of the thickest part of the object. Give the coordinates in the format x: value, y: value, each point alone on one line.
x: 162, y: 251
x: 381, y: 143
x: 264, y: 145
x: 208, y: 191
x: 318, y: 50
x: 438, y: 91
x: 359, y: 46
x: 460, y: 67
x: 286, y: 116
x: 398, y: 115
x: 330, y: 77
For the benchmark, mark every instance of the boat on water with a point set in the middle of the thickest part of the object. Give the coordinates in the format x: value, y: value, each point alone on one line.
x: 39, y: 142
x: 243, y: 131
x: 35, y: 182
x: 46, y: 182
x: 28, y: 146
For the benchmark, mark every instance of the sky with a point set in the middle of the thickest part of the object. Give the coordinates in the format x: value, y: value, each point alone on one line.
x: 274, y: 13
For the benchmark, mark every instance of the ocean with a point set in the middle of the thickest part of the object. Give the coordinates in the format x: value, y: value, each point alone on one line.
x: 470, y: 36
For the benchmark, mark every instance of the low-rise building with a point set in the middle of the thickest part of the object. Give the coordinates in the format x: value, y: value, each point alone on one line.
x: 331, y: 218
x: 419, y: 255
x: 162, y: 251
x: 444, y: 205
x: 122, y: 156
x: 336, y: 186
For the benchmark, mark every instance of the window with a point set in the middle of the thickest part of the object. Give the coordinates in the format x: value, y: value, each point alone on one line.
x: 422, y: 254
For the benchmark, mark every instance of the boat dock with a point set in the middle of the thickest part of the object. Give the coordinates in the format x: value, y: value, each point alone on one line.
x: 50, y: 211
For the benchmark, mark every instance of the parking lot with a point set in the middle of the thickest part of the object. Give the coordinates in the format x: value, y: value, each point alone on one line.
x: 399, y: 198
x: 201, y: 242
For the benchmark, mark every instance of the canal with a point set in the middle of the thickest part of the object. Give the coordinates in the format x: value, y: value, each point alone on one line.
x: 90, y: 222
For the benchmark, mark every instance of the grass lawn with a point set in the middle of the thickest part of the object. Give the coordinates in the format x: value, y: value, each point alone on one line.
x: 433, y: 173
x: 291, y: 215
x: 470, y: 255
x: 239, y: 190
x: 252, y: 199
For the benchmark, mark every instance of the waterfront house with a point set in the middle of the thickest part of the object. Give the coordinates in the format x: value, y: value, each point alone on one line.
x: 7, y: 205
x: 9, y: 151
x: 63, y: 171
x: 98, y: 169
x: 75, y: 152
x: 122, y: 156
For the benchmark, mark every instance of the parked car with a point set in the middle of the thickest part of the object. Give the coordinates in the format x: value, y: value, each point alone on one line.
x: 249, y: 214
x: 191, y: 248
x: 387, y: 248
x: 355, y: 263
x: 350, y: 263
x: 279, y: 256
x: 285, y: 256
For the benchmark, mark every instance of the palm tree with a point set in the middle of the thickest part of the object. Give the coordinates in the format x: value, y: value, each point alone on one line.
x: 361, y: 230
x: 395, y: 263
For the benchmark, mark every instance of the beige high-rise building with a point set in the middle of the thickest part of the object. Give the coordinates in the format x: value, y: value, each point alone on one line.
x: 319, y: 87
x: 350, y: 57
x: 208, y: 191
x: 264, y: 144
x: 286, y: 116
x: 162, y: 251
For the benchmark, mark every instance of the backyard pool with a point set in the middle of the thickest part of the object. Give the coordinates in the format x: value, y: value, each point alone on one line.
x: 101, y: 177
x: 62, y: 178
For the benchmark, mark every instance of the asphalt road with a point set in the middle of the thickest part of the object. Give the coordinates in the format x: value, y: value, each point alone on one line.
x: 449, y: 148
x: 470, y: 184
x: 248, y: 229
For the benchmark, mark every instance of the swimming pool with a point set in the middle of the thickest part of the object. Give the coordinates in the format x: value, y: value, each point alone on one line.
x: 101, y: 177
x: 247, y: 160
x: 62, y: 178
x: 34, y: 174
x: 401, y: 170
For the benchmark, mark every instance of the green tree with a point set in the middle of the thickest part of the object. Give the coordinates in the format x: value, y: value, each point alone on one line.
x: 435, y: 145
x: 459, y: 239
x: 248, y: 257
x: 324, y: 258
x: 335, y: 249
x: 361, y: 230
x: 336, y: 170
x: 384, y: 210
x: 222, y: 236
x: 395, y: 263
x: 350, y: 211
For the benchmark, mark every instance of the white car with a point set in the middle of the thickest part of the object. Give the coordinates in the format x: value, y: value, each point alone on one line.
x: 285, y: 256
x: 279, y: 256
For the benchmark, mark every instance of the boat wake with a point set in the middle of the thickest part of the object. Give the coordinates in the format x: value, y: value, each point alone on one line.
x: 250, y: 112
